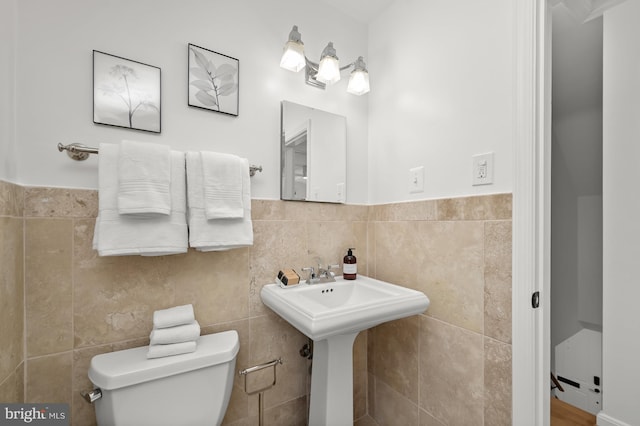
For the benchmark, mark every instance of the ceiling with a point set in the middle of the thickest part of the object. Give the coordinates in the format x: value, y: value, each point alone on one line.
x: 361, y: 10
x: 367, y: 10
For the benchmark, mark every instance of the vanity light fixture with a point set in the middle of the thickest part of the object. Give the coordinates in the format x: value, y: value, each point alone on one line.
x: 293, y: 58
x: 359, y: 78
x: 327, y: 71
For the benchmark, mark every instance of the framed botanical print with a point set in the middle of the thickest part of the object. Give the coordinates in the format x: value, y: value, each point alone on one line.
x: 213, y: 80
x: 126, y: 93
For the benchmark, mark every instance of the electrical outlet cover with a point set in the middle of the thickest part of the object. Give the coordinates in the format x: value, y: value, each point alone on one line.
x: 482, y: 169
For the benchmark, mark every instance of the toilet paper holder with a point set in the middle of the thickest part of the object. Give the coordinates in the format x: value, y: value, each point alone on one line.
x: 260, y: 391
x: 259, y: 367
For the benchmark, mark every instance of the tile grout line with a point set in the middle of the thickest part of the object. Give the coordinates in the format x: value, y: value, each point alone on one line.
x: 24, y: 295
x: 73, y: 325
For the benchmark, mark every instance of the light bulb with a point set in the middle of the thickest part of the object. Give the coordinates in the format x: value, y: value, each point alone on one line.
x: 293, y: 56
x: 358, y: 82
x: 329, y: 67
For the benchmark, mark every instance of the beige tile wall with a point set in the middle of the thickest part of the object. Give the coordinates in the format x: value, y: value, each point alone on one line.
x: 79, y: 304
x: 451, y: 364
x: 11, y: 293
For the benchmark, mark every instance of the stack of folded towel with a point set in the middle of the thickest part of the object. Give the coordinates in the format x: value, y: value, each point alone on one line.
x: 175, y: 331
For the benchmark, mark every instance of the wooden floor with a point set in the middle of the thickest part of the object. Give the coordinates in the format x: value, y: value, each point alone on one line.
x: 563, y: 414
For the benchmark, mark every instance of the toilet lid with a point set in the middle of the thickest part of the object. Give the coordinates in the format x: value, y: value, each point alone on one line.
x: 118, y: 369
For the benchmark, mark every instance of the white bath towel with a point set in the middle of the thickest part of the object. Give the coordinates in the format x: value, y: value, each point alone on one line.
x: 117, y: 235
x: 171, y: 317
x: 222, y: 185
x: 144, y: 178
x: 216, y: 234
x: 159, y: 351
x: 177, y: 334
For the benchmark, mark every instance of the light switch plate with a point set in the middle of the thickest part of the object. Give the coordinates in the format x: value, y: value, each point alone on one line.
x: 340, y: 192
x: 416, y: 179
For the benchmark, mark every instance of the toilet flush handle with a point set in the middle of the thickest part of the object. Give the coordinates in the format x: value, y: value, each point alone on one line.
x: 92, y: 396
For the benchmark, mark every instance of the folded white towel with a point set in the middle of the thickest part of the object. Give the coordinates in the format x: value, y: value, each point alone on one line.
x: 171, y: 317
x: 216, y: 234
x: 159, y: 351
x: 222, y: 185
x: 177, y: 334
x: 117, y: 234
x: 144, y: 178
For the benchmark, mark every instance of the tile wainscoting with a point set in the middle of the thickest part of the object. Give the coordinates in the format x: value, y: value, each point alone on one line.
x: 450, y: 366
x: 11, y: 293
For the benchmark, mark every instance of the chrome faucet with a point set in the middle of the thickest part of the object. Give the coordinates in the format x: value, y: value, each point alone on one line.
x: 323, y: 275
x: 312, y: 278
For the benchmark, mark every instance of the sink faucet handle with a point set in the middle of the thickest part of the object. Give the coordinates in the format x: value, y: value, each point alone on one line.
x: 312, y: 274
x: 328, y: 268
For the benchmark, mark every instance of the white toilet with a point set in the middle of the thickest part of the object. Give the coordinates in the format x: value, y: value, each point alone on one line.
x: 189, y: 389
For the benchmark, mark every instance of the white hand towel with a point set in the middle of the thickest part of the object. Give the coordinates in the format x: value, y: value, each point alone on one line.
x: 171, y: 317
x: 216, y: 234
x: 177, y: 334
x: 222, y: 185
x: 144, y: 178
x: 159, y: 351
x: 117, y: 234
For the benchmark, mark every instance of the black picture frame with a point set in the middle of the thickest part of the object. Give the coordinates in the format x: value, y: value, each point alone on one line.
x: 213, y: 80
x: 126, y: 93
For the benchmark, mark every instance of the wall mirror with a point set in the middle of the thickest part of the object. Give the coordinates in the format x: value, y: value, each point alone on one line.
x: 313, y: 158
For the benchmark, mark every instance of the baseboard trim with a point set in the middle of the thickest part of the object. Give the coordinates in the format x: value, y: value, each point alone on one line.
x: 606, y: 420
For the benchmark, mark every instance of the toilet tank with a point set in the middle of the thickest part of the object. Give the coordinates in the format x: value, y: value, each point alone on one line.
x: 188, y: 389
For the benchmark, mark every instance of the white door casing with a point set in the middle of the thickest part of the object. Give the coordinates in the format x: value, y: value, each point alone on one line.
x: 531, y: 215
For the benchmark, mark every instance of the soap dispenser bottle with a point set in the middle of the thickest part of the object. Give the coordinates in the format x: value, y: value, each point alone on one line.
x: 349, y: 266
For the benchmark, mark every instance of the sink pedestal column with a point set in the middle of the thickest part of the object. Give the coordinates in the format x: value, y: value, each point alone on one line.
x: 332, y: 381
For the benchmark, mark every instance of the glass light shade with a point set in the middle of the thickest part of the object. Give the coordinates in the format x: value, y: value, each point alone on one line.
x: 328, y: 70
x: 358, y: 82
x: 293, y: 56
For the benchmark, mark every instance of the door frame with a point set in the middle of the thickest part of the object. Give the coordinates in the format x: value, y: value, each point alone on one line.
x: 531, y: 215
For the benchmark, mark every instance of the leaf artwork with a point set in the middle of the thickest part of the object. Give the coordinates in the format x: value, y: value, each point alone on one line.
x: 126, y: 93
x: 212, y: 81
x: 119, y: 87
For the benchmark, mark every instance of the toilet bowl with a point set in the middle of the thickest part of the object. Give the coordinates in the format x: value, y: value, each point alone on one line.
x: 188, y: 389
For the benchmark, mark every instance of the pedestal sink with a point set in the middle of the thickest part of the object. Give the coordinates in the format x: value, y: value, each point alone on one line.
x: 332, y: 314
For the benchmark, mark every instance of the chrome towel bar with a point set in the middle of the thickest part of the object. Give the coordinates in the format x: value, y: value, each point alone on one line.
x: 80, y: 152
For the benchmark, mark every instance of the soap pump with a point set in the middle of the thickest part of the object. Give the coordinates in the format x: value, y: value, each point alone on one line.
x: 349, y: 266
